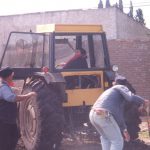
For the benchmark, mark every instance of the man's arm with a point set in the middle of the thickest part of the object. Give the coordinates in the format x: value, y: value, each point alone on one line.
x: 126, y: 135
x: 20, y: 98
x: 129, y: 96
x: 8, y: 95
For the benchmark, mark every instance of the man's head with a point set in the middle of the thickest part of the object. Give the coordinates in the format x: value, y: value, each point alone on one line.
x: 80, y: 52
x: 120, y: 80
x: 83, y: 52
x: 7, y: 73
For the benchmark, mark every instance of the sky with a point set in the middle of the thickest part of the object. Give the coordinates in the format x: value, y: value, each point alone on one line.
x: 11, y: 7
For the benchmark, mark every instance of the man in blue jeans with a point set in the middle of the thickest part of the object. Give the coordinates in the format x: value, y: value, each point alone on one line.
x: 106, y: 114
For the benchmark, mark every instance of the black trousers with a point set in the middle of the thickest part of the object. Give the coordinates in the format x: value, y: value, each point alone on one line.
x: 9, y: 135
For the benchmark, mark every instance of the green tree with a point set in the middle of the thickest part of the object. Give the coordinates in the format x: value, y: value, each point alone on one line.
x: 139, y: 16
x: 100, y: 5
x: 131, y: 10
x: 107, y: 3
x: 121, y: 5
x: 116, y: 5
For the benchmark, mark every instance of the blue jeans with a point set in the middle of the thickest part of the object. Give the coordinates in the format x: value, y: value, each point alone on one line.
x: 110, y: 134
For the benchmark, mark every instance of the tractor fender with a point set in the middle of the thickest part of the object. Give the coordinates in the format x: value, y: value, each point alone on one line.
x: 50, y: 77
x: 110, y: 75
x: 56, y: 80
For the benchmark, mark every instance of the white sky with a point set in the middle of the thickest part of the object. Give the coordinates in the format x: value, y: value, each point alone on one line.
x: 8, y: 7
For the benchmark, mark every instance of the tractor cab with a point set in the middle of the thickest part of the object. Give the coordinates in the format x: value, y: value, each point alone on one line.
x: 68, y: 67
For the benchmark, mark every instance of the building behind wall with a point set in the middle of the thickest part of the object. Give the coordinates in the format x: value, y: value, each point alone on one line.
x: 128, y: 40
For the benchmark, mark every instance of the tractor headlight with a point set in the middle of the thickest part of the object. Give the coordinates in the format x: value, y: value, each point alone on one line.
x: 115, y: 68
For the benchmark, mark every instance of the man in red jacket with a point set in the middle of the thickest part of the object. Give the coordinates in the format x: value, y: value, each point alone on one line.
x: 78, y: 61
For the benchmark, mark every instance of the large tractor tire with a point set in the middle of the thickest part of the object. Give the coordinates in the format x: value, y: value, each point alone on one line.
x: 41, y: 118
x: 132, y: 116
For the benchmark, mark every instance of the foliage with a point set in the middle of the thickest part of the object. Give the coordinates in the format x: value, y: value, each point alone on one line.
x: 130, y: 14
x: 139, y: 16
x: 107, y: 3
x: 100, y: 5
x: 139, y: 13
x: 121, y: 5
x: 116, y: 5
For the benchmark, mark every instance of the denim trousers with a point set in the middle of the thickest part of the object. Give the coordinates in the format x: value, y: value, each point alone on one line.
x: 110, y: 134
x: 9, y: 136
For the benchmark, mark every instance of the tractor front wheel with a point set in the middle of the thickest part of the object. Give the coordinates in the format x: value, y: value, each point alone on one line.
x: 41, y: 118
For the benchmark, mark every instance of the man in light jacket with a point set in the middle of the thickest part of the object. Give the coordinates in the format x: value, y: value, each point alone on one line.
x: 107, y: 115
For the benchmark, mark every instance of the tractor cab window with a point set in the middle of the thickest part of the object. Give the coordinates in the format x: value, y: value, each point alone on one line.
x: 24, y: 50
x: 79, y: 51
x: 65, y: 49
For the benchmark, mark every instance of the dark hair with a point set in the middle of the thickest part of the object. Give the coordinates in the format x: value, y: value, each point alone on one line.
x: 83, y: 51
x: 6, y: 72
x: 121, y: 80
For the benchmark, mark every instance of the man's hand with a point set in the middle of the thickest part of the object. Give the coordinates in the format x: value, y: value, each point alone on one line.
x: 31, y: 94
x: 25, y: 96
x: 141, y: 108
x: 126, y: 135
x: 147, y: 105
x: 146, y: 102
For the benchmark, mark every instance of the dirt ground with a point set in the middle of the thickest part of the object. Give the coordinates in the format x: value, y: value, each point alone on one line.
x: 82, y: 142
x: 78, y: 145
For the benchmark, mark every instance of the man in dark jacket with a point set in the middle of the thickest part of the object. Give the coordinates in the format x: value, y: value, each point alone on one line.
x: 8, y: 110
x: 78, y: 61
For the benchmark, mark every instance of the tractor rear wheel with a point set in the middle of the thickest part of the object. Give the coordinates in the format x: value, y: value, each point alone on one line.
x: 41, y: 118
x: 132, y: 118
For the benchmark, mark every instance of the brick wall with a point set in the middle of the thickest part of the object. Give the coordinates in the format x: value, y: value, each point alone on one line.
x: 133, y: 59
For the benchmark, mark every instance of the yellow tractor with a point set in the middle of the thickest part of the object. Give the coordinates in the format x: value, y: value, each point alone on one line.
x: 68, y: 66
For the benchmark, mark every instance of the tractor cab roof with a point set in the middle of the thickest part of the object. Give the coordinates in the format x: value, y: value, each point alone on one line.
x: 67, y: 28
